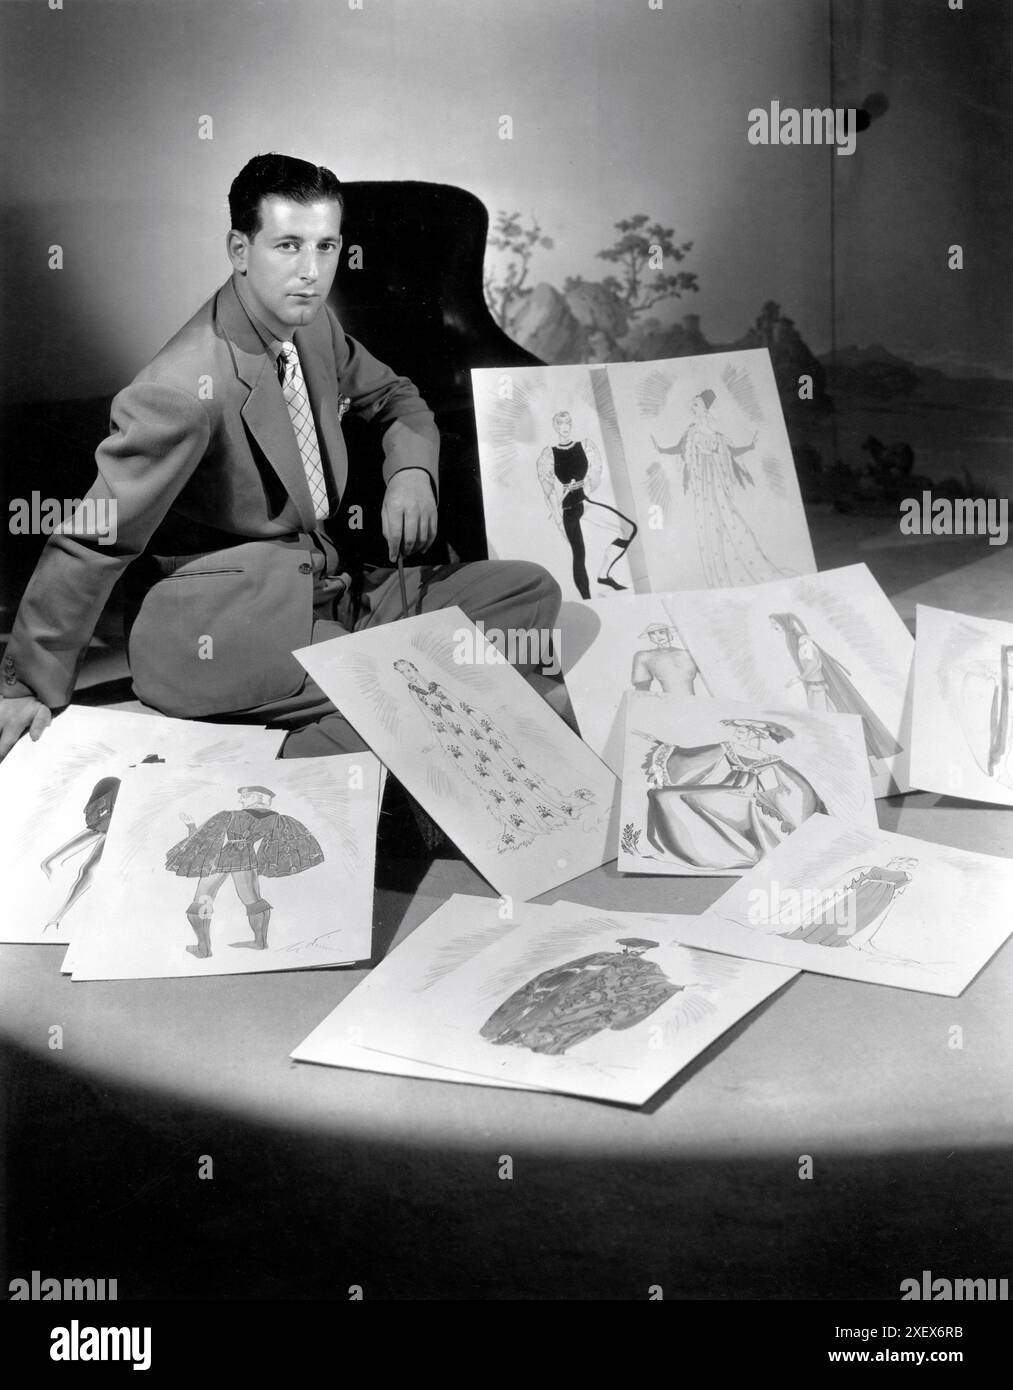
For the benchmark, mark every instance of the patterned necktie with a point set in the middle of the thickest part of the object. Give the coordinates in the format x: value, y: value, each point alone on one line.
x: 293, y: 388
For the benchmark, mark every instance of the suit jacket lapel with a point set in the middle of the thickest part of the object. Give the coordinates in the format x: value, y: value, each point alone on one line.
x: 265, y: 412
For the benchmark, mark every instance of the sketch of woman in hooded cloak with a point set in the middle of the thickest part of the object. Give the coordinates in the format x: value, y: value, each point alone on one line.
x: 712, y: 475
x: 725, y: 805
x: 566, y: 1005
x: 518, y: 797
x: 828, y: 686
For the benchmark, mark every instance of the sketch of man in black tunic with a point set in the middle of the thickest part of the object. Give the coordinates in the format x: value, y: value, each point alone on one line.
x: 243, y: 845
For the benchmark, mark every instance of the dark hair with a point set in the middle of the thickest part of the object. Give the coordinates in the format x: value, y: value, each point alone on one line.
x: 280, y: 176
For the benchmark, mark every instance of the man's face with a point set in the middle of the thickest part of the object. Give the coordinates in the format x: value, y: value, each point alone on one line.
x: 290, y: 263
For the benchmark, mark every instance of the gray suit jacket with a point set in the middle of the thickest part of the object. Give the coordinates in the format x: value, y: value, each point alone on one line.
x: 212, y: 501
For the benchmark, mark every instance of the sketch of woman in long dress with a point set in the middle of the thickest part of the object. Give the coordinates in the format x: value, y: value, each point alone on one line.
x: 570, y: 1003
x: 568, y: 471
x: 854, y: 909
x: 520, y: 799
x: 713, y: 476
x: 725, y: 805
x: 242, y: 844
x: 828, y: 686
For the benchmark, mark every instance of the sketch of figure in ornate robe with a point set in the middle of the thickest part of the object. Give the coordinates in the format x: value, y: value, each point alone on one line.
x: 984, y: 709
x: 518, y: 797
x: 828, y: 686
x: 663, y: 663
x: 853, y: 911
x: 98, y: 812
x: 566, y: 1005
x: 243, y: 845
x: 568, y: 471
x: 712, y: 475
x: 725, y: 805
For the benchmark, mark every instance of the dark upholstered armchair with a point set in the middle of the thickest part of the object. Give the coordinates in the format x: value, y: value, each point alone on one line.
x: 417, y: 304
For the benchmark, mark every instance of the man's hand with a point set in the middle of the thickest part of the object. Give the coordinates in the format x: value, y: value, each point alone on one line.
x: 409, y: 509
x: 19, y: 715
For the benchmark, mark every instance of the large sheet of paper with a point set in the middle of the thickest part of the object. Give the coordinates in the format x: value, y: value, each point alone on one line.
x: 962, y: 728
x: 829, y: 643
x: 712, y: 786
x: 607, y: 1005
x: 866, y: 905
x: 64, y: 789
x: 609, y: 648
x: 233, y: 870
x: 495, y: 767
x: 641, y: 475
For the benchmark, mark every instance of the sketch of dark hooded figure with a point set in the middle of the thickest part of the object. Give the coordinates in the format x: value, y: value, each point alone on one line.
x: 572, y: 1002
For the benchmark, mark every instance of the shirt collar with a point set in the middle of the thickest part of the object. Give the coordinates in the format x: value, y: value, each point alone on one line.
x: 271, y: 341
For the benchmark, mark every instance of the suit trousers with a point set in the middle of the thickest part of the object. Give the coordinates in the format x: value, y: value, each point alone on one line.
x: 503, y: 594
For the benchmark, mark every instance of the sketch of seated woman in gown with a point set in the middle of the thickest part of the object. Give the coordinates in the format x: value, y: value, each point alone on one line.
x: 570, y: 1003
x: 568, y: 471
x: 724, y: 805
x: 242, y: 844
x: 981, y: 696
x: 828, y: 686
x: 730, y: 554
x: 518, y: 798
x: 854, y: 909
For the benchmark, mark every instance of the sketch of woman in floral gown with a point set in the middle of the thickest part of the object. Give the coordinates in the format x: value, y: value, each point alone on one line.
x: 853, y: 911
x: 241, y: 844
x: 570, y: 1003
x: 713, y: 476
x: 828, y: 686
x: 725, y: 805
x: 518, y: 797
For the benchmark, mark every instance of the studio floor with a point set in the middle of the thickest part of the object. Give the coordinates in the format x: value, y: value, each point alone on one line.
x: 326, y: 1179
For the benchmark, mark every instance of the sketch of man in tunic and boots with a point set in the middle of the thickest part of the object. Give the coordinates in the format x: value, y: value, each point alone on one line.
x: 242, y: 845
x: 663, y: 662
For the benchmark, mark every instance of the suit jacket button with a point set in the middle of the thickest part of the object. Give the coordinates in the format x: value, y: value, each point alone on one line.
x: 305, y: 569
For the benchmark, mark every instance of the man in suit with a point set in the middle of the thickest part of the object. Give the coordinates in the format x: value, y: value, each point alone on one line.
x: 224, y: 461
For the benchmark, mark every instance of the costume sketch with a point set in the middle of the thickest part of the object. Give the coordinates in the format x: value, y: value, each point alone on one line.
x: 98, y: 812
x: 985, y: 713
x: 663, y: 667
x: 492, y: 764
x: 962, y: 725
x: 246, y: 844
x: 866, y: 904
x: 572, y: 1002
x: 568, y: 471
x: 714, y: 477
x: 828, y: 685
x: 856, y: 907
x: 723, y: 806
x: 557, y: 998
x: 516, y: 795
x: 830, y: 643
